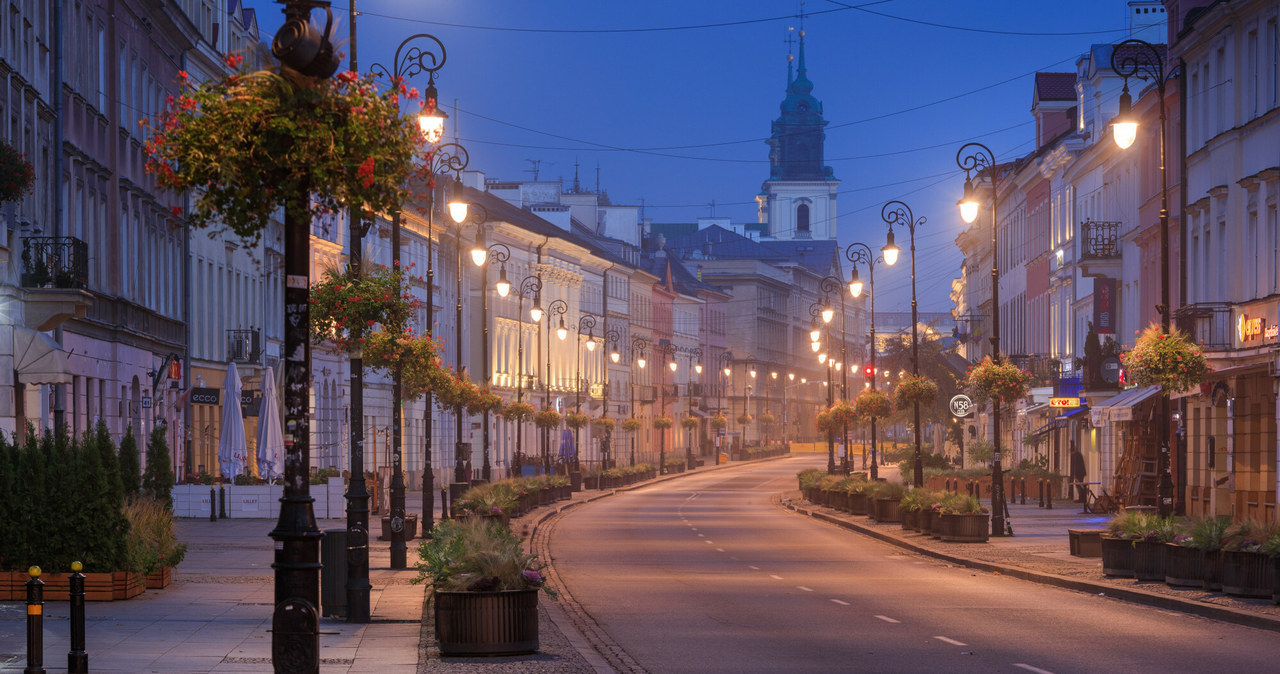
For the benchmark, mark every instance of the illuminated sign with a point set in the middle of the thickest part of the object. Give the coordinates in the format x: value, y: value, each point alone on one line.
x: 1064, y: 402
x: 1250, y: 329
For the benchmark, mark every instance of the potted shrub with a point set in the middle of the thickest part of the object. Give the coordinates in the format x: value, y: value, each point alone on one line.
x: 859, y: 496
x: 152, y: 547
x: 1191, y: 559
x: 917, y: 508
x: 1155, y: 533
x: 961, y: 518
x: 484, y: 588
x: 1247, y: 571
x: 888, y: 496
x: 1117, y: 543
x: 808, y: 480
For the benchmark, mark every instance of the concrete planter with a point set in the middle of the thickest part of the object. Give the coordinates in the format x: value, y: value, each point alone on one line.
x: 487, y: 623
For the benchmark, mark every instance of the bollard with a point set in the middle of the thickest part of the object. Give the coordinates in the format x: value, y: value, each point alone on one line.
x: 213, y: 504
x: 222, y: 502
x: 1024, y: 491
x: 35, y: 623
x: 77, y: 658
x: 1042, y: 492
x: 444, y: 503
x: 1048, y: 495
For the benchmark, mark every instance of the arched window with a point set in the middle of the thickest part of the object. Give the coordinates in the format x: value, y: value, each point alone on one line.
x: 802, y: 218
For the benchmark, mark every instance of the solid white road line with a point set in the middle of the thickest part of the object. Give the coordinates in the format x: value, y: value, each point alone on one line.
x: 888, y: 619
x: 1029, y: 668
x: 953, y: 642
x: 842, y: 603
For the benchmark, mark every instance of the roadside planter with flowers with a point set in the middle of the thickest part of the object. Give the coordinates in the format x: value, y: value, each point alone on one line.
x: 1168, y: 360
x: 631, y: 424
x: 250, y: 143
x: 1003, y: 380
x: 912, y: 389
x: 484, y: 588
x: 16, y: 174
x: 663, y: 422
x: 960, y: 518
x: 871, y: 404
x: 1247, y: 569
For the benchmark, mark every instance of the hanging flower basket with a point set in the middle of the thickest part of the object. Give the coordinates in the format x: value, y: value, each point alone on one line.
x: 689, y: 422
x: 16, y: 174
x: 417, y: 356
x: 842, y: 414
x: 631, y: 424
x: 251, y: 143
x: 767, y: 419
x: 489, y: 402
x: 744, y: 419
x: 662, y: 423
x: 547, y: 419
x: 718, y: 421
x: 912, y: 389
x: 1004, y: 380
x: 576, y: 420
x: 1168, y: 360
x: 823, y: 421
x: 341, y: 302
x: 871, y: 404
x: 518, y: 411
x: 604, y: 423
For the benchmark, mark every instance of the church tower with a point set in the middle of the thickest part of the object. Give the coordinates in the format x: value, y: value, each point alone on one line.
x: 798, y: 201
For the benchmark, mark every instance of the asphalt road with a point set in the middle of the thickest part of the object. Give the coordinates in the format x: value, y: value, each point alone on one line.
x: 706, y: 574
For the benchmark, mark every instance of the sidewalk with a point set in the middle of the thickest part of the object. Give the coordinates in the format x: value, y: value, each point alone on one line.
x: 216, y: 616
x: 1039, y: 551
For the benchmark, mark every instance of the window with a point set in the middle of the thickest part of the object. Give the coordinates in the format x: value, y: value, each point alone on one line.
x: 1254, y: 244
x: 1275, y: 247
x: 802, y: 218
x: 1252, y: 46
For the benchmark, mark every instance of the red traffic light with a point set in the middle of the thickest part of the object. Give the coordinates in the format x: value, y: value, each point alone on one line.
x: 869, y: 371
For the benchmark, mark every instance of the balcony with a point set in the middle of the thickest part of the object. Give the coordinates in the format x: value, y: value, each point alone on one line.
x: 1044, y: 370
x: 244, y: 346
x: 1100, y: 254
x: 54, y: 262
x: 1207, y: 323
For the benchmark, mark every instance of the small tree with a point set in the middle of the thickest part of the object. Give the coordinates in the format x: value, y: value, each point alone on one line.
x: 130, y: 464
x: 157, y: 481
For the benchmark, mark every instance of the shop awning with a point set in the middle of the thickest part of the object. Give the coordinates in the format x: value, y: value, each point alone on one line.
x: 1120, y: 407
x: 37, y: 358
x: 1036, y: 408
x: 1060, y: 421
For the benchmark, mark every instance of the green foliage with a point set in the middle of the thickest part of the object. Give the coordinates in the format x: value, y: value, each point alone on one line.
x: 16, y: 173
x: 152, y: 542
x: 130, y: 463
x: 889, y: 490
x: 916, y: 500
x: 157, y: 480
x: 960, y: 504
x: 477, y: 555
x: 809, y: 477
x: 1208, y: 533
x: 980, y: 451
x: 1169, y: 360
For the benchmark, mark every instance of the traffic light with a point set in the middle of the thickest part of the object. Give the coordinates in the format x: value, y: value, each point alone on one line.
x: 869, y: 371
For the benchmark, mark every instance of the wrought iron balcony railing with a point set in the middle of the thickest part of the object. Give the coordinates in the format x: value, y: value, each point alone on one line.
x: 1207, y: 323
x: 1099, y: 240
x: 244, y: 346
x: 1044, y: 370
x: 54, y: 262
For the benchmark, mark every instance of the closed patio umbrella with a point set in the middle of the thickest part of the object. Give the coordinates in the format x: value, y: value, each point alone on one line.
x: 270, y: 431
x: 232, y: 452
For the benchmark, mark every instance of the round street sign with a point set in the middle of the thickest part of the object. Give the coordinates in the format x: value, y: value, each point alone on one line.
x: 961, y: 406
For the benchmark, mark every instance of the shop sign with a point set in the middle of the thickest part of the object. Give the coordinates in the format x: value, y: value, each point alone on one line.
x: 1098, y: 417
x: 1250, y: 328
x: 205, y: 396
x: 1064, y: 402
x: 961, y: 406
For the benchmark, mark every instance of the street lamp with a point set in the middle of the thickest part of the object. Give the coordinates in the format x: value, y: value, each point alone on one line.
x: 898, y: 213
x: 815, y: 310
x: 725, y: 360
x: 498, y: 253
x: 860, y: 253
x: 556, y: 308
x: 669, y: 350
x: 531, y: 286
x: 296, y: 537
x: 586, y: 322
x: 460, y: 212
x: 829, y: 286
x: 695, y: 359
x: 409, y: 61
x: 1141, y: 59
x: 637, y: 344
x: 976, y: 159
x: 606, y: 445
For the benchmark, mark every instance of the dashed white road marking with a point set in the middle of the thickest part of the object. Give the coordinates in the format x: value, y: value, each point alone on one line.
x: 702, y: 535
x: 753, y: 568
x: 775, y: 577
x: 842, y: 603
x: 709, y: 542
x: 806, y: 589
x: 1029, y: 668
x: 953, y: 642
x: 719, y: 549
x: 888, y: 619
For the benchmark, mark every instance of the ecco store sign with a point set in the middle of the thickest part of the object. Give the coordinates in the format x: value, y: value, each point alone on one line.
x: 204, y: 396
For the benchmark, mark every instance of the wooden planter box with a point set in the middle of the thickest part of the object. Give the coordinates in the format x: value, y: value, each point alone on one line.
x: 924, y: 521
x: 487, y: 623
x: 591, y: 482
x: 909, y: 520
x: 887, y: 510
x: 1148, y: 560
x: 1117, y: 557
x: 159, y: 580
x: 964, y: 528
x: 1184, y: 566
x: 1248, y: 574
x: 858, y: 504
x: 113, y: 586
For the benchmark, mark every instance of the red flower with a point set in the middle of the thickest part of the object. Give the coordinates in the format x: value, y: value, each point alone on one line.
x: 177, y: 212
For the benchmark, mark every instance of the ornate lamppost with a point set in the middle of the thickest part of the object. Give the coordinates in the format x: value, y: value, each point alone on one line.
x: 976, y: 158
x: 460, y: 212
x: 530, y: 287
x: 860, y: 253
x: 695, y: 362
x: 816, y: 310
x: 606, y: 446
x: 586, y: 322
x: 1141, y: 59
x: 896, y: 213
x: 497, y: 253
x: 668, y: 350
x: 556, y: 308
x: 829, y: 286
x: 637, y: 344
x: 726, y: 367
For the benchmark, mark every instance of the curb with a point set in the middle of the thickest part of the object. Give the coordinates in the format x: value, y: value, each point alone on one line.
x: 1220, y: 613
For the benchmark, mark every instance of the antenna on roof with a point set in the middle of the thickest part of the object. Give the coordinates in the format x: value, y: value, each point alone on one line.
x: 537, y: 163
x: 597, y: 177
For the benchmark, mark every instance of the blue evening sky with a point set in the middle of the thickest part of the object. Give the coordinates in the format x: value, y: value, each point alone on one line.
x: 672, y: 100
